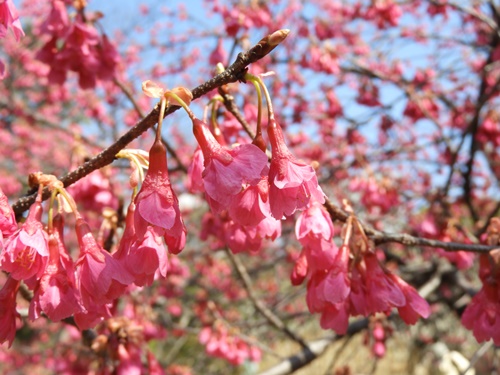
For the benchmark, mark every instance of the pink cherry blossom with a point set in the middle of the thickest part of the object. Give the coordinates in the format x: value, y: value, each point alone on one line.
x: 321, y: 254
x: 385, y: 13
x: 300, y: 270
x: 8, y: 223
x: 55, y: 294
x: 415, y: 306
x: 157, y: 205
x: 100, y: 277
x: 128, y: 237
x: 109, y: 59
x: 10, y: 18
x: 147, y: 258
x: 251, y: 205
x: 220, y: 343
x: 382, y: 293
x: 227, y: 170
x: 218, y: 55
x: 292, y: 183
x: 94, y: 192
x: 57, y: 23
x: 92, y: 315
x: 8, y: 313
x: 314, y: 222
x: 482, y: 314
x: 331, y: 286
x: 249, y: 238
x: 76, y: 46
x: 194, y: 180
x: 346, y: 287
x: 26, y: 251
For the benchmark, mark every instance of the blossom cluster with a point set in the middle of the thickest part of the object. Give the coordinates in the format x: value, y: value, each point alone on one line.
x: 482, y: 315
x: 348, y: 280
x: 75, y: 45
x: 86, y: 288
x: 247, y: 195
x: 219, y: 342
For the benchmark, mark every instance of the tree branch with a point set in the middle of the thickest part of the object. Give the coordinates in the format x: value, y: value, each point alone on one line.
x: 268, y: 314
x: 379, y: 237
x: 233, y: 73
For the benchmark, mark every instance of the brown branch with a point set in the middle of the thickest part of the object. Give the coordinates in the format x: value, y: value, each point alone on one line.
x: 233, y: 73
x: 379, y: 237
x: 259, y: 305
x: 234, y: 110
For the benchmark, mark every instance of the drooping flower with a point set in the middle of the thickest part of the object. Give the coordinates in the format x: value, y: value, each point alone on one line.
x: 26, y: 251
x: 10, y: 18
x: 292, y: 183
x: 482, y: 315
x: 415, y: 306
x: 8, y: 223
x: 218, y: 55
x: 8, y: 313
x: 100, y: 277
x: 194, y: 181
x: 55, y: 294
x: 328, y: 292
x: 381, y: 292
x: 251, y: 205
x: 146, y: 258
x: 350, y: 287
x: 314, y: 223
x: 226, y: 171
x: 300, y: 270
x: 76, y: 46
x: 93, y: 314
x: 57, y: 23
x: 95, y: 192
x: 157, y: 204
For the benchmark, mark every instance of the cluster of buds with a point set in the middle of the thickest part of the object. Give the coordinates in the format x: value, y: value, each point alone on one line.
x: 377, y: 334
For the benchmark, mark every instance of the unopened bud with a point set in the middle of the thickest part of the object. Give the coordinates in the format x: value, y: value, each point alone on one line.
x: 277, y: 37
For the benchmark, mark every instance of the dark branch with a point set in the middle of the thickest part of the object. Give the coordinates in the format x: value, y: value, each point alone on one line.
x: 233, y: 73
x: 336, y: 213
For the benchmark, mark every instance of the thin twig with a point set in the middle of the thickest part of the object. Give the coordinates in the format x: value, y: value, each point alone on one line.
x: 268, y: 314
x: 379, y: 237
x: 477, y: 356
